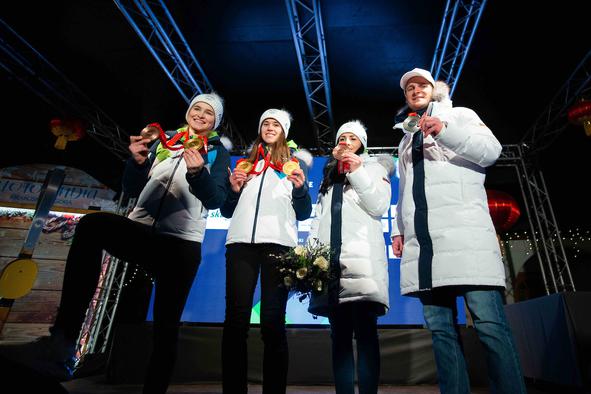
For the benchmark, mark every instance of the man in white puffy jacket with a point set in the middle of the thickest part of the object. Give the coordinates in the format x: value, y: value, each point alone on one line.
x: 444, y: 233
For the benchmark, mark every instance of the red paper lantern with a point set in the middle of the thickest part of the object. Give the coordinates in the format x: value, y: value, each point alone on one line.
x: 580, y: 113
x: 503, y: 208
x: 66, y: 130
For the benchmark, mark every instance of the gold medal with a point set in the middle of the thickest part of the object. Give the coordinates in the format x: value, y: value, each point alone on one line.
x: 245, y: 166
x: 289, y: 167
x: 195, y: 143
x: 150, y: 132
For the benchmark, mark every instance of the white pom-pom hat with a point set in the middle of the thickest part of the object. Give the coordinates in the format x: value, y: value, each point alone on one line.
x: 216, y: 102
x: 280, y: 115
x: 355, y: 127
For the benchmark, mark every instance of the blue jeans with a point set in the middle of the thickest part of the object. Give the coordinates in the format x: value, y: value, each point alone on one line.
x: 486, y: 307
x: 359, y: 318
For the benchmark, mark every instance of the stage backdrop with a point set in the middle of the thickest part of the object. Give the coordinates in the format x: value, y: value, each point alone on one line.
x: 206, y: 302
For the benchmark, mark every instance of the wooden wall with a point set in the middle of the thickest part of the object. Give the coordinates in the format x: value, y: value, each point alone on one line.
x: 20, y: 187
x: 33, y: 314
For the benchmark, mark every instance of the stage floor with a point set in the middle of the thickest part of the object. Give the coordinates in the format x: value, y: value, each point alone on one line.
x: 98, y: 385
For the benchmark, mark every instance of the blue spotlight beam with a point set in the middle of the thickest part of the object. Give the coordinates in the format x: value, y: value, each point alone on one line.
x: 34, y: 71
x: 552, y: 122
x: 458, y: 27
x: 308, y: 36
x: 155, y: 26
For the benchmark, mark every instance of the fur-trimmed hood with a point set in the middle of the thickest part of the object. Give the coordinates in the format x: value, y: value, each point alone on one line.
x: 441, y: 93
x: 387, y: 161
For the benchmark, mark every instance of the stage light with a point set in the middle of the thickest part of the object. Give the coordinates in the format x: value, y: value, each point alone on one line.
x: 503, y: 208
x: 580, y: 113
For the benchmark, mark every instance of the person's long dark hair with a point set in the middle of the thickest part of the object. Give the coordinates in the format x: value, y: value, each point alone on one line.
x: 331, y: 173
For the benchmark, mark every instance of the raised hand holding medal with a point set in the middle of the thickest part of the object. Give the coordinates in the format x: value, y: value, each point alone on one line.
x: 431, y: 125
x: 195, y: 146
x: 193, y: 160
x: 294, y: 173
x: 338, y: 153
x: 151, y: 132
x: 351, y: 140
x: 138, y: 144
x: 289, y: 167
x: 239, y: 176
x: 245, y: 166
x: 426, y: 123
x: 351, y: 161
x: 237, y: 179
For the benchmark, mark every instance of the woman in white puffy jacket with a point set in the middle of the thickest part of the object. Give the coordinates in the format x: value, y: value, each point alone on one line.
x: 264, y: 204
x: 350, y: 206
x: 445, y: 235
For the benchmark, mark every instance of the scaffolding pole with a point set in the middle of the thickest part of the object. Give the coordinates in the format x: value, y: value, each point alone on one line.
x: 305, y: 19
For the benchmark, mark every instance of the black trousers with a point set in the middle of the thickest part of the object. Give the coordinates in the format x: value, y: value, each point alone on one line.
x: 243, y: 262
x: 173, y: 262
x: 359, y: 318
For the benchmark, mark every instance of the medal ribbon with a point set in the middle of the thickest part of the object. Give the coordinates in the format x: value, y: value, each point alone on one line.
x: 267, y: 159
x: 183, y: 135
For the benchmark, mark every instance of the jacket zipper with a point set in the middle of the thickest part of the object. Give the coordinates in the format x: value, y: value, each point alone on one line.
x: 256, y: 212
x: 168, y: 185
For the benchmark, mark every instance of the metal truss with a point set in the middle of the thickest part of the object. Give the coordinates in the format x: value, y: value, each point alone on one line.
x: 552, y: 122
x: 155, y: 26
x: 382, y: 150
x: 308, y: 36
x: 25, y: 64
x: 100, y: 315
x: 545, y: 234
x: 458, y: 26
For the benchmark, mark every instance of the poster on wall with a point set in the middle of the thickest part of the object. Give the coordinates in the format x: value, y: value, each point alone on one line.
x: 20, y: 187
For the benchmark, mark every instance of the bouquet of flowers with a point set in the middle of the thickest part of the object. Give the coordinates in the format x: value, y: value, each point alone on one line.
x: 305, y: 268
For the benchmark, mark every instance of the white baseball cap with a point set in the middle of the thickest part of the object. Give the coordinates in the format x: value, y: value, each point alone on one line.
x: 416, y: 72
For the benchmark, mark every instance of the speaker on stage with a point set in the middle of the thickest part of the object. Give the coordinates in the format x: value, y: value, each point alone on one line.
x: 553, y: 336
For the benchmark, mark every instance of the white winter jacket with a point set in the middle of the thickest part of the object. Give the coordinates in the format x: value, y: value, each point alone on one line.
x: 465, y: 247
x: 363, y: 260
x: 267, y: 209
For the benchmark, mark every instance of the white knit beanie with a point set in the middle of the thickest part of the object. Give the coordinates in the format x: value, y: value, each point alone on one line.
x: 216, y: 102
x: 281, y: 116
x: 355, y: 127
